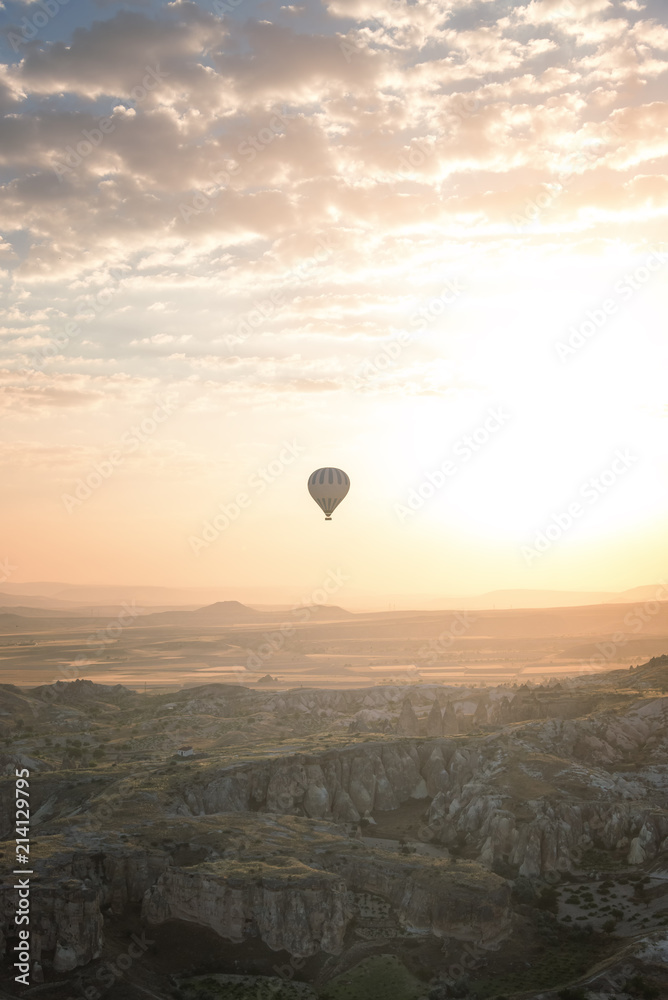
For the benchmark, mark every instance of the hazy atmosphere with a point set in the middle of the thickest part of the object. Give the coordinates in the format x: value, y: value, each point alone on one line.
x: 246, y: 240
x: 333, y: 478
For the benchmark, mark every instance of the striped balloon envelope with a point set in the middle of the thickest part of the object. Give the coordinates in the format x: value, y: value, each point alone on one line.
x: 328, y: 487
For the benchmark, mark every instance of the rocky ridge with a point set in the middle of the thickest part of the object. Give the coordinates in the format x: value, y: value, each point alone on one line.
x: 536, y: 796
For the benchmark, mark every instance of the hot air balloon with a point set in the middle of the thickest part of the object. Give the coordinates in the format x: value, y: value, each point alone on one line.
x: 328, y: 487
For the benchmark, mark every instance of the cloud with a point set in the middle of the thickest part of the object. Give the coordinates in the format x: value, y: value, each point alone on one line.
x: 30, y: 393
x: 403, y: 139
x: 114, y: 57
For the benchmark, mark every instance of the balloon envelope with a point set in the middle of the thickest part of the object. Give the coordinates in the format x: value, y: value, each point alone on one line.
x: 328, y: 487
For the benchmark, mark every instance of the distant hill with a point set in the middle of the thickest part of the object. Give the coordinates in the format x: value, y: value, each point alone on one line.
x: 227, y: 612
x: 220, y: 613
x: 81, y: 690
x: 235, y: 613
x: 61, y: 594
x: 101, y: 599
x: 35, y: 602
x: 653, y: 592
x: 56, y: 594
x: 653, y: 674
x: 27, y: 620
x: 104, y: 611
x: 323, y: 612
x: 507, y: 599
x: 13, y: 621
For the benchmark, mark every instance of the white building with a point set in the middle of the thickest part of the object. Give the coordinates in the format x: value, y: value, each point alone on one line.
x: 185, y: 751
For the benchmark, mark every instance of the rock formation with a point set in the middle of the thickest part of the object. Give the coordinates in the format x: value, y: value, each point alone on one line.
x: 408, y: 724
x: 66, y: 922
x: 292, y: 908
x: 510, y: 802
x: 450, y: 726
x: 435, y: 721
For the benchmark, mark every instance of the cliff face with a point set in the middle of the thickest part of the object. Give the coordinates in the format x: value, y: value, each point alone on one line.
x: 300, y: 907
x: 69, y: 923
x: 344, y: 785
x: 428, y: 897
x: 51, y: 795
x: 536, y: 797
x: 292, y: 908
x: 65, y: 923
x: 541, y: 812
x: 68, y: 899
x: 550, y: 837
x: 120, y: 876
x: 302, y: 910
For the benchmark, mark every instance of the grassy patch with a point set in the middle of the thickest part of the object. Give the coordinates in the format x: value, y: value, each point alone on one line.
x: 556, y: 955
x: 226, y: 987
x: 602, y: 861
x: 382, y: 977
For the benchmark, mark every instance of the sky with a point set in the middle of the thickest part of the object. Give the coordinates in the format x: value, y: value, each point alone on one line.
x: 421, y: 242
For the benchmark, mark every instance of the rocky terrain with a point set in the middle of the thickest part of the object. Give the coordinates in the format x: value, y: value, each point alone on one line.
x: 460, y: 832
